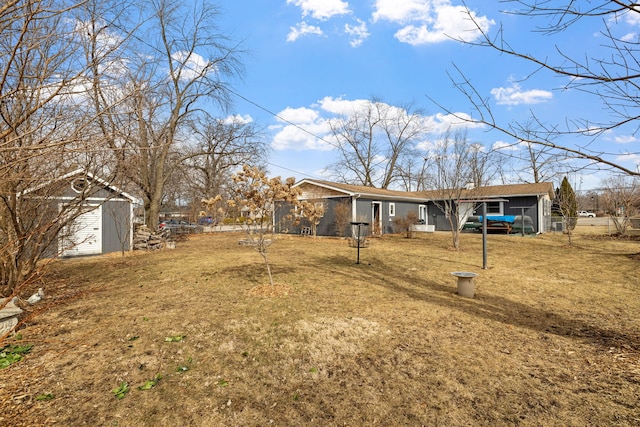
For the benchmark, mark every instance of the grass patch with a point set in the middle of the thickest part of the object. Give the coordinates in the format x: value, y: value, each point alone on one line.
x: 551, y: 338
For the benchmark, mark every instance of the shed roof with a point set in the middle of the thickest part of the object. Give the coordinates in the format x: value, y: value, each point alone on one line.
x: 83, y: 173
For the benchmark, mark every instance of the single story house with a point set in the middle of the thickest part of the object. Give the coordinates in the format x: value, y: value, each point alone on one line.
x: 102, y: 214
x: 346, y: 203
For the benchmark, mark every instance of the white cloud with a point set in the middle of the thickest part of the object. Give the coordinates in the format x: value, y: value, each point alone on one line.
x: 630, y: 17
x: 625, y: 139
x: 431, y: 21
x: 402, y: 11
x: 309, y: 129
x: 303, y: 129
x: 298, y: 115
x: 341, y: 106
x: 321, y: 9
x: 630, y: 37
x: 441, y: 123
x: 506, y: 146
x: 358, y: 33
x: 303, y: 29
x: 307, y: 136
x: 629, y: 157
x: 238, y: 119
x: 514, y: 95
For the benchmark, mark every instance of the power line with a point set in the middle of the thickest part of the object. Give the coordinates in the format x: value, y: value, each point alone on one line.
x: 281, y: 118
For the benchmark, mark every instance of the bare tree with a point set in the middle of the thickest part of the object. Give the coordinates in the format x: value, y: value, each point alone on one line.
x: 483, y: 165
x: 452, y: 172
x: 413, y: 173
x: 342, y: 216
x: 44, y: 131
x: 610, y: 80
x: 219, y: 147
x: 175, y: 63
x: 621, y: 194
x: 374, y: 141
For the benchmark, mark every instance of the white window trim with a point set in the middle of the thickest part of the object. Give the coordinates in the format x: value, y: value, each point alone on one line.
x: 501, y: 209
x: 392, y: 209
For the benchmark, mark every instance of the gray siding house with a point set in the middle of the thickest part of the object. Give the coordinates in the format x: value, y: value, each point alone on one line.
x: 380, y: 207
x: 374, y: 206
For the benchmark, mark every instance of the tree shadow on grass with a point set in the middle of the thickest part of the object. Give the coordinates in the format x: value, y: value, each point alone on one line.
x: 490, y: 307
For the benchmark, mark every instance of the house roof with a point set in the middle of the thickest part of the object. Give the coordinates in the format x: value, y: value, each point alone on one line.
x: 493, y: 191
x: 490, y: 191
x: 360, y: 190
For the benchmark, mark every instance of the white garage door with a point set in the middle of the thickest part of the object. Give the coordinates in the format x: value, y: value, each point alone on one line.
x: 84, y: 236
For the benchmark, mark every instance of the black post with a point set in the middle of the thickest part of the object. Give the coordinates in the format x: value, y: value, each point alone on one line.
x: 484, y: 235
x: 358, y: 260
x: 359, y: 224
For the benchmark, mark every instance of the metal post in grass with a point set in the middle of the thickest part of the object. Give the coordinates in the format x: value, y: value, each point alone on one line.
x: 484, y: 224
x: 522, y: 209
x: 484, y: 235
x: 359, y: 224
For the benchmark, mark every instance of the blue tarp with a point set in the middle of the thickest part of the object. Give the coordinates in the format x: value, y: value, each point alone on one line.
x: 501, y: 218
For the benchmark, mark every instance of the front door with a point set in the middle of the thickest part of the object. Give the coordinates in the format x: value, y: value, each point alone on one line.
x: 376, y: 218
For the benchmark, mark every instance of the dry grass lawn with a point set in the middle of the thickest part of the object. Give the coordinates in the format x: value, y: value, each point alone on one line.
x: 551, y: 338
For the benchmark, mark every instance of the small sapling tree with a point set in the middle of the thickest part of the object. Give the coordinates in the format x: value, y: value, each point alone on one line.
x: 342, y: 213
x: 255, y: 195
x: 568, y: 206
x: 312, y: 211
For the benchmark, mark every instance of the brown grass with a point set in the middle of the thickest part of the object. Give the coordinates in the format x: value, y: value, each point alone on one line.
x: 551, y: 337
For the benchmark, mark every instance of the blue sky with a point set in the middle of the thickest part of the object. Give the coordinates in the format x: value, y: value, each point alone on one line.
x: 310, y: 59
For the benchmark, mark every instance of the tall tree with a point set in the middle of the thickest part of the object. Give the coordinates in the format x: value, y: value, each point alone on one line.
x: 450, y: 162
x: 608, y: 77
x: 374, y: 141
x: 175, y: 64
x: 219, y: 147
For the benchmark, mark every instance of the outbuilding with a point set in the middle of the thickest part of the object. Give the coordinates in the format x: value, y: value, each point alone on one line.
x: 103, y: 214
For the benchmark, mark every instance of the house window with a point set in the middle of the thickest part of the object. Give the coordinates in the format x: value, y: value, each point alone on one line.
x: 392, y: 209
x: 494, y: 208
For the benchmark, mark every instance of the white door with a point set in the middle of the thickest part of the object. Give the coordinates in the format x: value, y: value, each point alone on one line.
x: 422, y: 214
x: 84, y: 235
